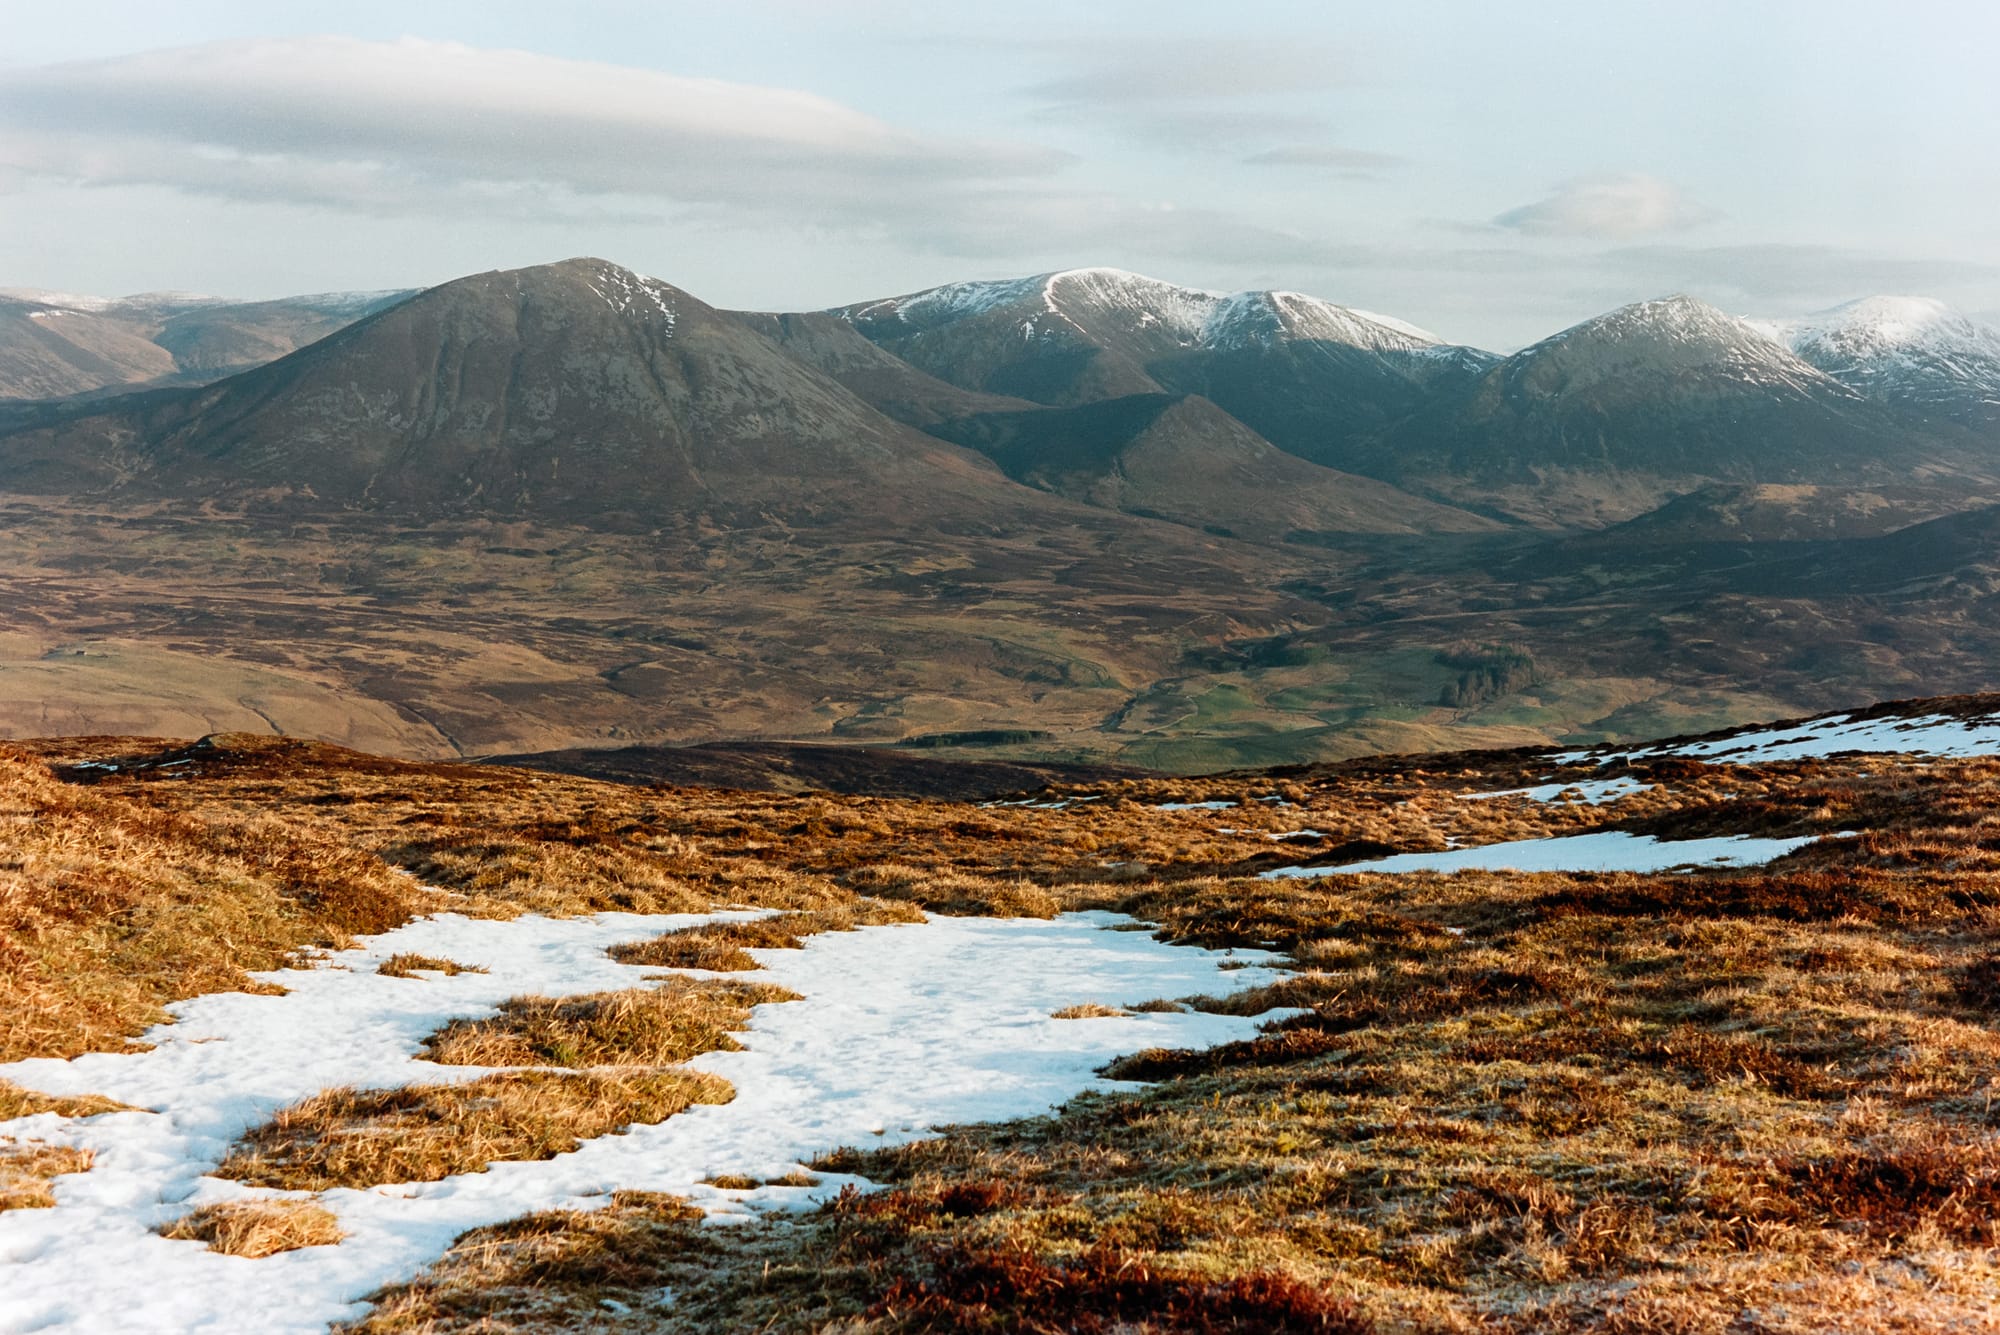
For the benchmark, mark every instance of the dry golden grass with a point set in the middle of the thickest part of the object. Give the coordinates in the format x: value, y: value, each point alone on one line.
x: 724, y: 947
x: 109, y: 909
x: 27, y: 1171
x: 363, y: 1138
x: 1089, y: 1010
x: 1563, y: 1103
x: 257, y: 1228
x: 403, y: 965
x: 553, y: 1271
x: 646, y: 1026
x: 18, y: 1102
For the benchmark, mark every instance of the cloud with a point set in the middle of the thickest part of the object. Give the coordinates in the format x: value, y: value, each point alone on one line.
x: 1200, y: 93
x: 1328, y: 157
x: 1182, y: 69
x: 1614, y: 208
x: 415, y: 126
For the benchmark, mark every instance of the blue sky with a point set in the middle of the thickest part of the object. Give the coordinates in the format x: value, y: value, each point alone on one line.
x: 1492, y: 172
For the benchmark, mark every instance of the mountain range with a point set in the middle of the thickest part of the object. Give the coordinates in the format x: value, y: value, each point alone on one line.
x: 1089, y: 513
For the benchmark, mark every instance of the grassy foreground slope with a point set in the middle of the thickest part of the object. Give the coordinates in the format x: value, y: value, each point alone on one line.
x: 1725, y: 1100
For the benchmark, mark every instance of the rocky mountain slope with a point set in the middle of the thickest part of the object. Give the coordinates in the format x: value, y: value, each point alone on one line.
x: 1910, y: 352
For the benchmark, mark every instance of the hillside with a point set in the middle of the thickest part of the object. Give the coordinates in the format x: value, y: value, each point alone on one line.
x: 1689, y: 1022
x: 55, y: 345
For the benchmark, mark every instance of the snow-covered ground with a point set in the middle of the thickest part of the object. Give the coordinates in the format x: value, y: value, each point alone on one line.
x: 1929, y: 734
x: 902, y: 1029
x: 1603, y: 851
x: 1594, y: 791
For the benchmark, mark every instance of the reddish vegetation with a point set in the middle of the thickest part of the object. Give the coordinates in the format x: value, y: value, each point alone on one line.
x: 1106, y: 1291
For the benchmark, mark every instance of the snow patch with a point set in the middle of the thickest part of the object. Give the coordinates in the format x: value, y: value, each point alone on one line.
x: 1604, y: 851
x: 1596, y: 792
x: 902, y: 1029
x: 1929, y: 734
x: 629, y: 293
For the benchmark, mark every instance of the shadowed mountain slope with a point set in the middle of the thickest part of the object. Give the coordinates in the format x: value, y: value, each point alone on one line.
x: 571, y: 391
x: 1182, y: 458
x: 1606, y: 419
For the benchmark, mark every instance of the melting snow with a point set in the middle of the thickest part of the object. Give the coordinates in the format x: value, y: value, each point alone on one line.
x: 1929, y: 734
x: 1195, y: 806
x: 1597, y: 792
x: 903, y: 1029
x: 629, y: 292
x: 1603, y: 851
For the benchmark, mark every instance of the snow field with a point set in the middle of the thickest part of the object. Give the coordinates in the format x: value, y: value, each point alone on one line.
x: 1929, y: 734
x: 1610, y: 850
x: 902, y: 1029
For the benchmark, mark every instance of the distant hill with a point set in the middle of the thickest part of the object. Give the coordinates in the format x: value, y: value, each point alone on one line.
x: 55, y: 345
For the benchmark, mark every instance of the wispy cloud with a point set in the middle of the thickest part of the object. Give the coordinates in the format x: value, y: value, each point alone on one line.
x: 1205, y: 94
x: 414, y: 126
x: 1609, y: 208
x: 1161, y: 70
x: 1327, y: 157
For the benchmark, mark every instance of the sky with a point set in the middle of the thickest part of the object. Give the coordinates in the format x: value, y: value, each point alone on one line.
x: 1491, y: 172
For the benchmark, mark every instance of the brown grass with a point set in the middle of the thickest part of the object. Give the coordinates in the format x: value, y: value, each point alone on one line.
x: 1089, y: 1010
x: 403, y: 965
x: 723, y: 947
x: 553, y: 1270
x: 257, y: 1228
x: 363, y: 1138
x: 110, y: 909
x: 1561, y: 1103
x: 647, y: 1026
x: 18, y: 1102
x: 27, y: 1171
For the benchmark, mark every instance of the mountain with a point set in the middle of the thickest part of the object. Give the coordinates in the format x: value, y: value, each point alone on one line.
x: 1781, y: 512
x: 1910, y: 352
x: 570, y: 390
x: 53, y: 345
x: 1308, y: 375
x: 1181, y: 458
x: 1608, y: 418
x: 885, y: 381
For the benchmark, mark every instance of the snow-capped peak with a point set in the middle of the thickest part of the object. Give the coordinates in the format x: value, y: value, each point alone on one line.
x: 1669, y: 335
x: 1186, y: 316
x: 1876, y: 325
x: 1897, y: 348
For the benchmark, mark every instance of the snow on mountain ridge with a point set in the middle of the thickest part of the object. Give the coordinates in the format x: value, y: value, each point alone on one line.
x: 1192, y: 317
x: 1896, y: 347
x: 1674, y: 334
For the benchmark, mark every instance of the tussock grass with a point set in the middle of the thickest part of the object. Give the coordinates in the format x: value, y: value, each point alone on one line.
x: 403, y: 965
x: 553, y: 1270
x: 18, y: 1102
x: 256, y: 1229
x: 1554, y: 1103
x: 1089, y: 1010
x: 723, y: 947
x: 27, y: 1171
x: 645, y: 1026
x: 421, y: 1133
x: 109, y: 909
